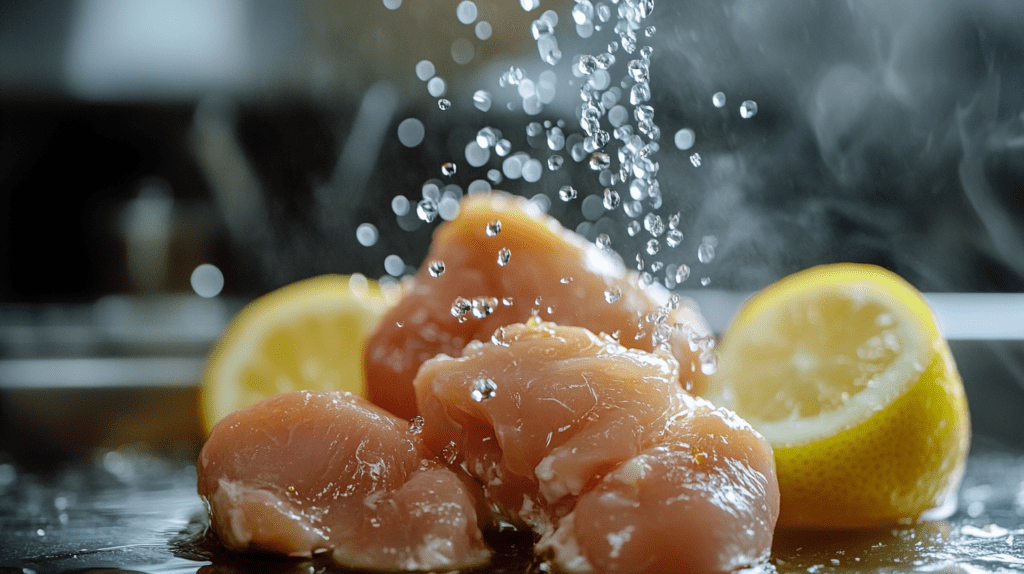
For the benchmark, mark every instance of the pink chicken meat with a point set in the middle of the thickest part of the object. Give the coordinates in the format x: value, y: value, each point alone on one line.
x: 305, y: 472
x: 598, y: 449
x: 549, y: 270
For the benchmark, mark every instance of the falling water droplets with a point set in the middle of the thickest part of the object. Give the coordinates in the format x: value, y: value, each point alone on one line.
x: 498, y: 337
x: 555, y: 162
x: 426, y: 209
x: 654, y: 224
x: 674, y: 238
x: 504, y: 255
x: 695, y: 160
x: 604, y: 242
x: 706, y: 251
x: 633, y: 227
x: 484, y: 389
x: 653, y: 246
x: 567, y: 193
x: 493, y: 228
x: 611, y: 199
x: 748, y: 109
x: 444, y: 103
x: 436, y: 268
x: 612, y: 294
x: 682, y: 273
x: 448, y: 169
x: 482, y: 307
x: 460, y: 307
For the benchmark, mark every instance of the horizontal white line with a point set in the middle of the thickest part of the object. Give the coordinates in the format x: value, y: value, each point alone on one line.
x: 961, y: 316
x: 101, y: 372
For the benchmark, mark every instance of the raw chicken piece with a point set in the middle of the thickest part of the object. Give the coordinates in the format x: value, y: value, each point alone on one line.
x: 550, y: 270
x: 302, y: 472
x: 703, y: 498
x: 598, y: 449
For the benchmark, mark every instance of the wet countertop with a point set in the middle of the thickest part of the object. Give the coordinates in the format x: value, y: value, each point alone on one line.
x: 129, y: 509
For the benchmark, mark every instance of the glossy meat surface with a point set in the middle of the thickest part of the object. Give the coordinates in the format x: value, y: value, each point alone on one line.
x: 598, y: 449
x: 303, y: 472
x: 703, y: 498
x: 551, y: 272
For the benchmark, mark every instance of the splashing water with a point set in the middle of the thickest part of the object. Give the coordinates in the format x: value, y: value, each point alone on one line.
x: 436, y: 268
x: 504, y: 255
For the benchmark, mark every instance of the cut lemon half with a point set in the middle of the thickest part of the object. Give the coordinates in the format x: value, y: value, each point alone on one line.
x: 308, y: 335
x: 843, y: 369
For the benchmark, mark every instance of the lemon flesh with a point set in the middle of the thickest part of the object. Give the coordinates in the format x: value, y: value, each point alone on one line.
x: 844, y: 371
x: 308, y: 335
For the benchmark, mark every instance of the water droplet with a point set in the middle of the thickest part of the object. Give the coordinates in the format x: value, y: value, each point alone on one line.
x: 646, y: 52
x: 482, y: 100
x: 695, y: 160
x: 656, y: 265
x: 639, y: 93
x: 565, y: 280
x: 502, y: 147
x: 448, y: 169
x: 567, y: 193
x: 436, y: 268
x: 444, y: 104
x: 652, y: 247
x: 654, y: 225
x: 706, y: 252
x: 645, y: 280
x: 40, y: 532
x: 611, y: 199
x: 685, y: 138
x: 506, y: 301
x: 682, y: 273
x: 366, y: 234
x: 415, y: 425
x: 450, y: 452
x: 460, y: 307
x: 426, y: 209
x: 555, y: 162
x: 483, y: 389
x: 504, y: 254
x: 748, y: 109
x: 498, y: 337
x: 482, y: 307
x: 612, y: 294
x: 639, y: 262
x: 599, y: 160
x: 604, y: 242
x: 493, y: 228
x: 650, y: 31
x: 674, y: 238
x: 718, y: 100
x: 638, y: 70
x: 705, y: 281
x: 633, y: 227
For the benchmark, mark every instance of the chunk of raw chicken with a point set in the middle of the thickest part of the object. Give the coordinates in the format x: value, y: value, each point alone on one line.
x: 304, y: 472
x: 598, y: 449
x: 549, y: 271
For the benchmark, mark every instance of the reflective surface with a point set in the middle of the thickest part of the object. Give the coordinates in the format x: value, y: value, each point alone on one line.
x: 136, y: 511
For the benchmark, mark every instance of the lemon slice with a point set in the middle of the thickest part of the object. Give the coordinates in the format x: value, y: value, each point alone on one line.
x: 843, y: 369
x: 308, y: 335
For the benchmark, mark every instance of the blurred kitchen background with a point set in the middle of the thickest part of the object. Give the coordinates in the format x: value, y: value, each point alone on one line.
x: 164, y: 162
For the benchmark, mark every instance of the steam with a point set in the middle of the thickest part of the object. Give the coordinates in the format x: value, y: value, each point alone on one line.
x: 888, y: 132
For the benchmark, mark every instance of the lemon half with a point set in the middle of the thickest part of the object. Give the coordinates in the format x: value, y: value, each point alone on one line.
x: 843, y: 369
x: 308, y: 335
